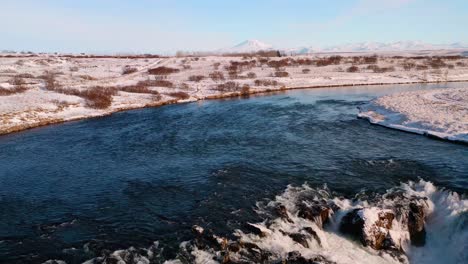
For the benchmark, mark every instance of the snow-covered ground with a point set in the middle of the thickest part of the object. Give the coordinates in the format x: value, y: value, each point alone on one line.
x: 35, y: 105
x: 441, y: 113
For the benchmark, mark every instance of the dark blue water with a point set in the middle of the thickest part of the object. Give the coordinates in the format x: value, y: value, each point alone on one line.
x: 139, y: 176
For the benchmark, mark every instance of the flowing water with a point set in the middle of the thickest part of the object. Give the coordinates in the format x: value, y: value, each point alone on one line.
x: 73, y: 191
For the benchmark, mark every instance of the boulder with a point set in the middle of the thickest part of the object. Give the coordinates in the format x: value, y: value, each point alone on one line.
x: 416, y: 227
x: 318, y: 212
x: 295, y: 257
x: 371, y: 226
x: 282, y: 212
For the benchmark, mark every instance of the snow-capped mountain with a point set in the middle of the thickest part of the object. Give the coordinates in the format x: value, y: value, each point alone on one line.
x: 249, y: 46
x: 379, y: 46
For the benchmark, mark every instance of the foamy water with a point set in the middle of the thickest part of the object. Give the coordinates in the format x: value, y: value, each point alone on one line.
x: 446, y: 229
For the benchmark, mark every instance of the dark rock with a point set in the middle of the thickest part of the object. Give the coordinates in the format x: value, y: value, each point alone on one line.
x: 314, y: 234
x: 416, y: 224
x: 352, y: 224
x: 300, y: 239
x: 319, y: 213
x: 234, y: 247
x: 296, y: 258
x: 282, y: 212
x: 376, y: 235
x: 254, y: 230
x: 254, y: 253
x: 206, y: 239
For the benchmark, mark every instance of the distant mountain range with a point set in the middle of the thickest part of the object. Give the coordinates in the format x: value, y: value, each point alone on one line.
x: 256, y: 45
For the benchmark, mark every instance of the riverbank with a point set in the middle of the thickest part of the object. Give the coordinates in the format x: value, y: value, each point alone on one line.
x: 47, y: 90
x: 441, y: 113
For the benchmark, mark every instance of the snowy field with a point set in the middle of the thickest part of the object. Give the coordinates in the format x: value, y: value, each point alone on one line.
x: 44, y: 89
x: 440, y: 113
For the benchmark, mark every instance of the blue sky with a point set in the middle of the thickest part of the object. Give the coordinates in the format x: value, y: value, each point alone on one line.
x: 165, y: 26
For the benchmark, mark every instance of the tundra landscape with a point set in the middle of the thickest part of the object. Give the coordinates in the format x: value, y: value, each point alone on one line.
x: 135, y: 132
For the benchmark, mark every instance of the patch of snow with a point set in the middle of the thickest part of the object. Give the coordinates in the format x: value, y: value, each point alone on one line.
x: 442, y: 113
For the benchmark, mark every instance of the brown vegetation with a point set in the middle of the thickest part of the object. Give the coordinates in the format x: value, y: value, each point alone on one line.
x: 251, y: 75
x: 305, y: 71
x: 332, y: 60
x: 217, y: 76
x: 25, y: 75
x: 377, y: 69
x: 163, y: 71
x: 196, y: 78
x: 281, y: 74
x: 353, y: 69
x: 180, y: 95
x: 245, y: 90
x: 228, y: 87
x: 266, y: 82
x: 157, y: 83
x: 19, y: 87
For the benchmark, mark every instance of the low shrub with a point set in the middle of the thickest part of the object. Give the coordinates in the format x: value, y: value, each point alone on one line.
x: 179, y: 95
x: 305, y: 71
x: 196, y: 78
x: 157, y: 83
x: 98, y: 97
x: 227, y: 87
x: 332, y: 60
x: 407, y: 66
x: 25, y: 75
x: 420, y: 67
x: 251, y: 75
x: 377, y: 69
x: 217, y: 76
x: 266, y: 82
x: 245, y: 90
x: 353, y: 69
x: 15, y: 90
x: 281, y: 74
x: 163, y: 71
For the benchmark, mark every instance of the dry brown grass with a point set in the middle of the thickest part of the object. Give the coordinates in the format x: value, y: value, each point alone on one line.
x: 156, y: 83
x: 251, y: 75
x: 266, y: 82
x: 180, y: 95
x: 353, y: 69
x: 281, y: 74
x: 163, y: 71
x: 19, y: 87
x: 26, y: 76
x: 245, y: 90
x: 196, y: 78
x: 378, y: 69
x: 332, y: 60
x: 227, y: 87
x: 217, y: 76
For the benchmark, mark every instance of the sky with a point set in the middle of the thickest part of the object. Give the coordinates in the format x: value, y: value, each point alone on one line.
x: 166, y: 26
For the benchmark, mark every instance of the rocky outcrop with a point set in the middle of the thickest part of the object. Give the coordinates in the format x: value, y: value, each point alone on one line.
x: 416, y: 221
x: 318, y: 212
x: 295, y: 257
x: 371, y: 226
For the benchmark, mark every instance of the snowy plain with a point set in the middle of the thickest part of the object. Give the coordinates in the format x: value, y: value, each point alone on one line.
x: 36, y: 105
